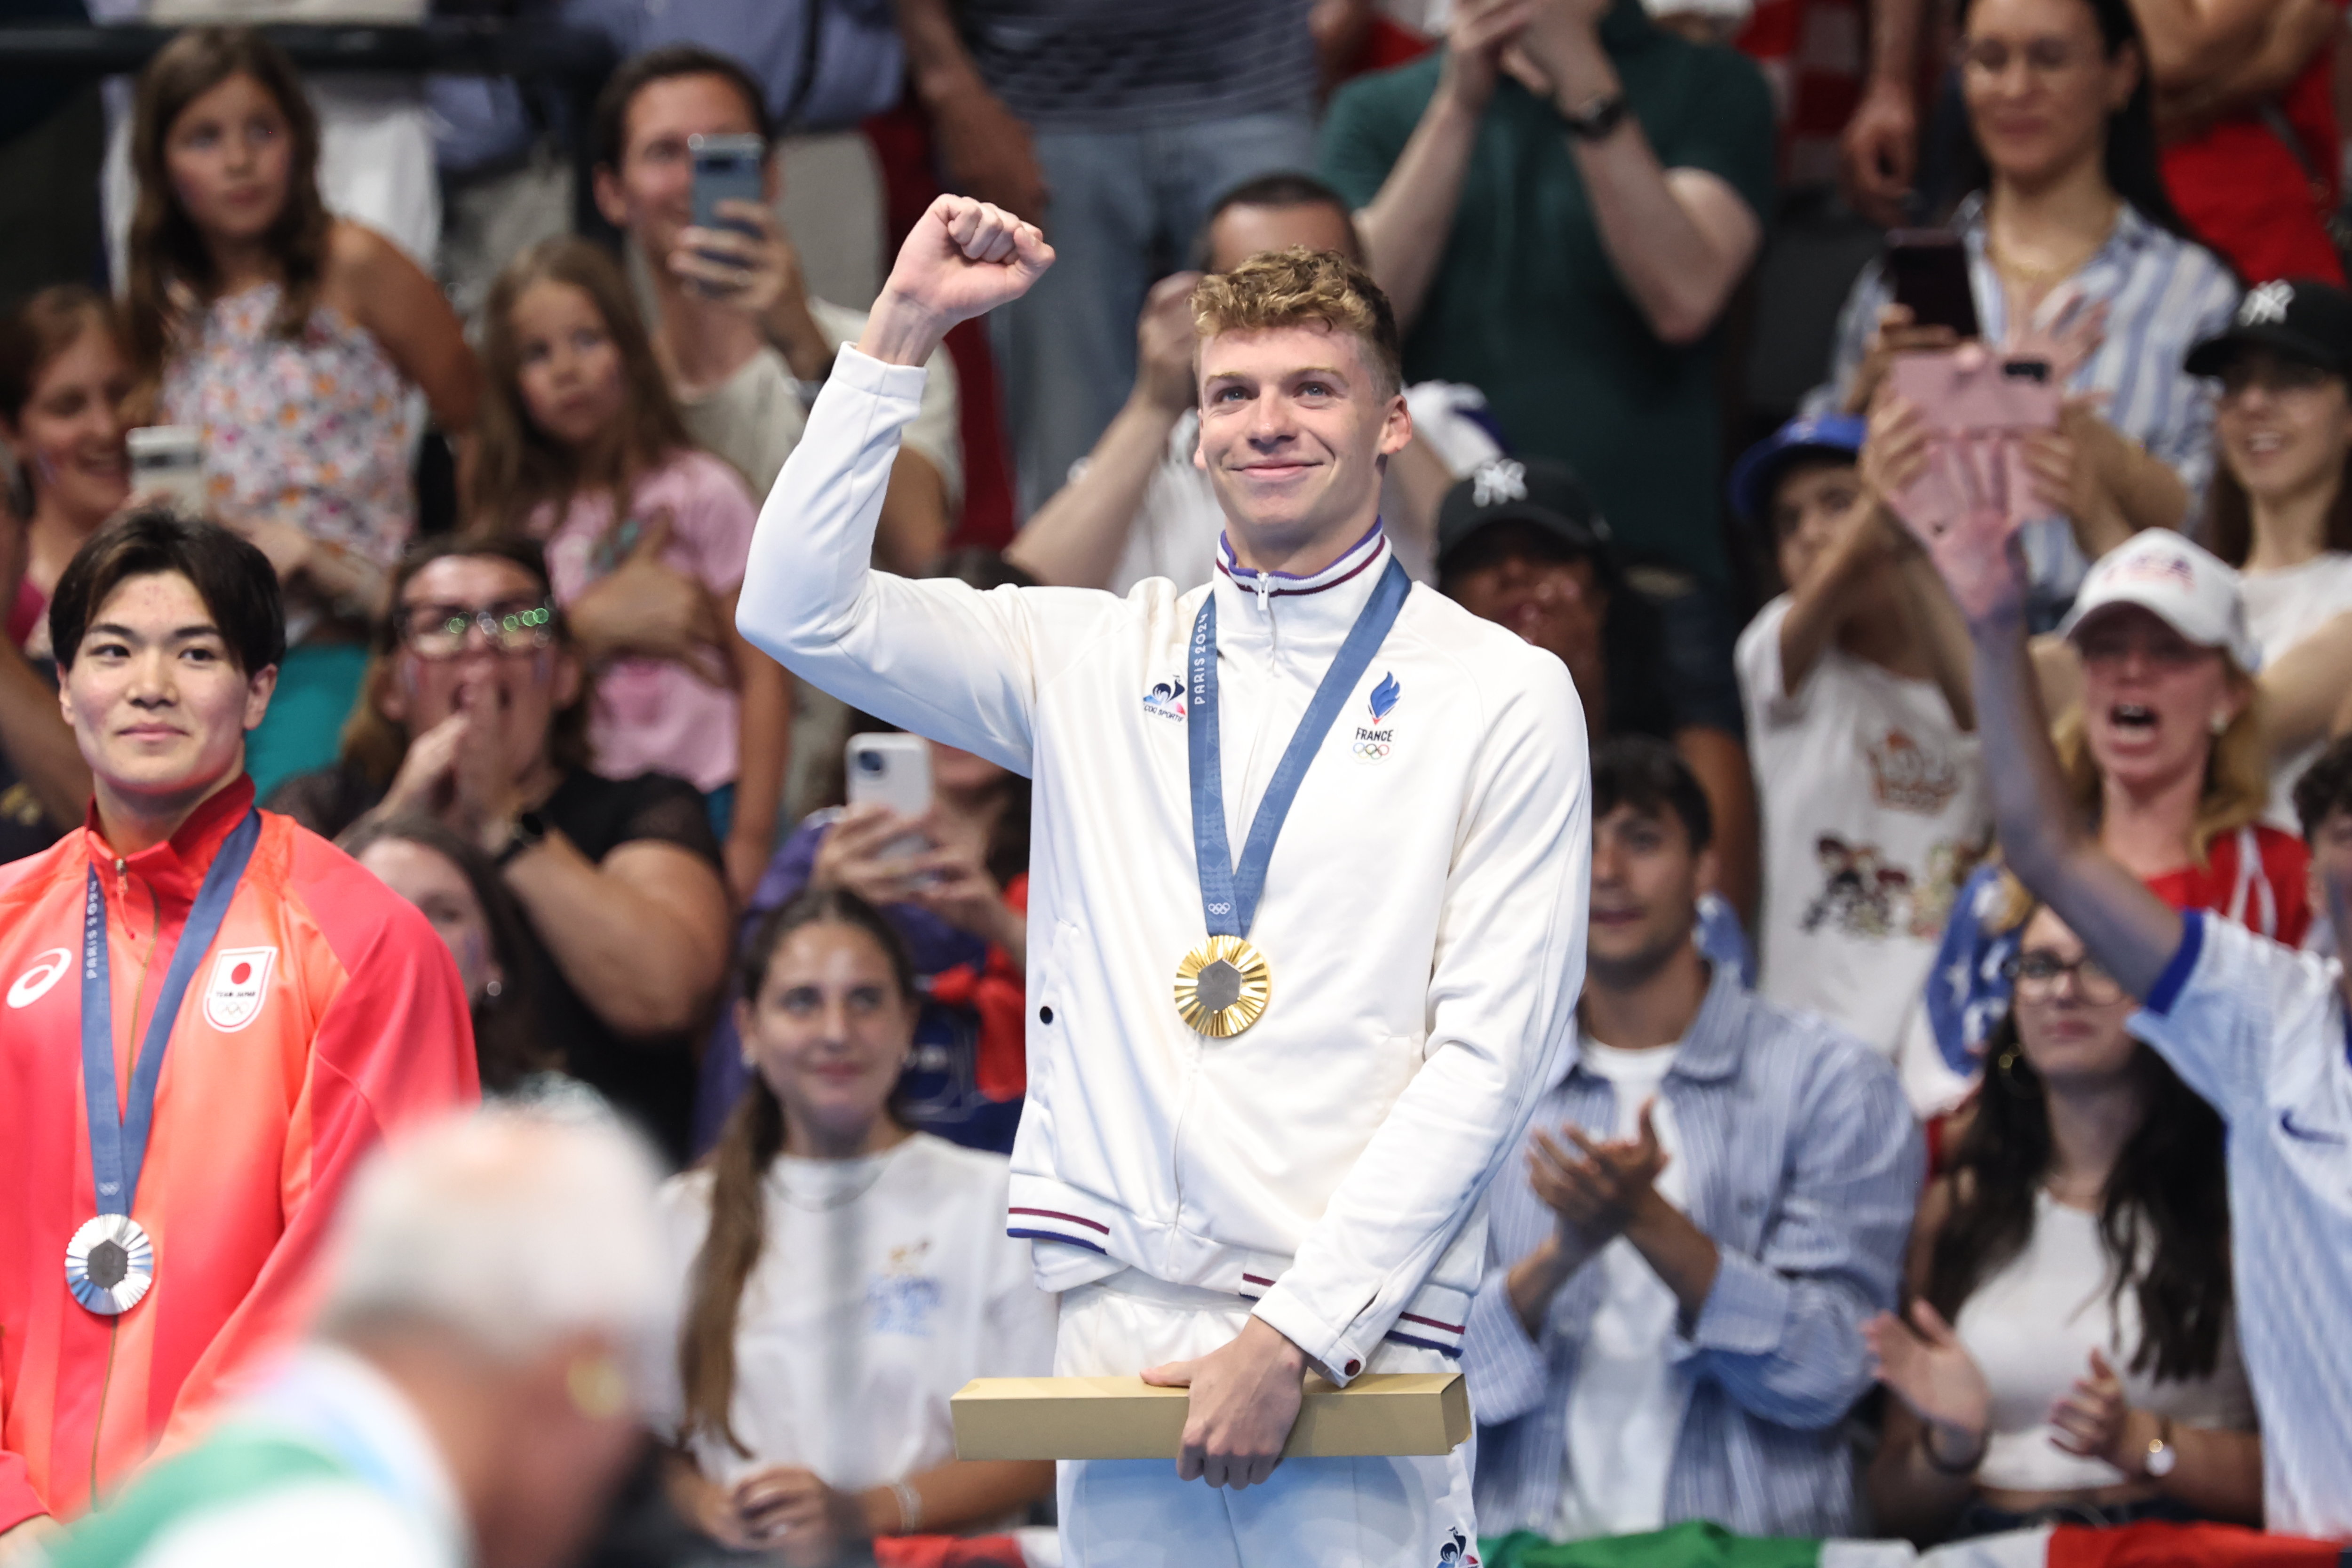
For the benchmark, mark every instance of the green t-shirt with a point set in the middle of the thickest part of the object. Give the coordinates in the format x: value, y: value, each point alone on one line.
x: 1526, y: 305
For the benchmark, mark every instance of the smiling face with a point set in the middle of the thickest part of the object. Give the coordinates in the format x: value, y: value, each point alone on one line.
x: 651, y: 194
x: 2283, y: 426
x: 2070, y: 1021
x: 68, y: 436
x: 2039, y: 86
x: 1294, y: 426
x: 156, y: 702
x: 2150, y: 698
x: 525, y: 687
x: 568, y: 366
x: 1645, y: 886
x: 434, y: 884
x: 829, y: 1031
x: 228, y: 155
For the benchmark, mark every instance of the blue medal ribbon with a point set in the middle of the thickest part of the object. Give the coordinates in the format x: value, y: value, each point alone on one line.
x: 1229, y: 893
x: 118, y: 1138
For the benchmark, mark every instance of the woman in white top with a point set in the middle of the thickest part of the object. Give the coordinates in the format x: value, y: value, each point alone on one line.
x: 2070, y: 1354
x: 2279, y: 509
x: 846, y: 1275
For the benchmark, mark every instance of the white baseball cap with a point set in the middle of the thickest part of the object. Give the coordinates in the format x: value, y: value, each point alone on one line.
x: 2188, y: 588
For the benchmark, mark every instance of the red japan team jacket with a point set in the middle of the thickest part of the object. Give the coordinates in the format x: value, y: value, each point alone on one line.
x: 326, y: 1012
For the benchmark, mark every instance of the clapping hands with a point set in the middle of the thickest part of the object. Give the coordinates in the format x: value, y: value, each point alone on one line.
x: 1600, y: 1189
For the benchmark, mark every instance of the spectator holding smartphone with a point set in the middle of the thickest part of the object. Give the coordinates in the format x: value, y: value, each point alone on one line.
x: 647, y: 534
x: 2254, y: 1028
x: 2075, y: 255
x: 743, y: 345
x: 960, y: 904
x: 295, y: 341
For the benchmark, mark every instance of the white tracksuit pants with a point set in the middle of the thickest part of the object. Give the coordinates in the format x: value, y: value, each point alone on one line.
x: 1348, y: 1513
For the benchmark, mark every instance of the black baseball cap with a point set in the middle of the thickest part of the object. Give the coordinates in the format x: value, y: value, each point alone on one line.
x: 2300, y: 318
x: 1534, y: 490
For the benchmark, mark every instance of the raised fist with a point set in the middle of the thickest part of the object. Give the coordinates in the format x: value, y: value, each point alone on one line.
x: 962, y: 259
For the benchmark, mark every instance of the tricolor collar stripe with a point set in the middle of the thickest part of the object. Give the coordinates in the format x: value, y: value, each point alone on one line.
x: 1331, y: 577
x: 1056, y: 1214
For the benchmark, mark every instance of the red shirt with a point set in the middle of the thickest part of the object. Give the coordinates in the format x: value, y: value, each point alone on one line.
x: 264, y: 1105
x: 2242, y: 190
x: 2273, y: 895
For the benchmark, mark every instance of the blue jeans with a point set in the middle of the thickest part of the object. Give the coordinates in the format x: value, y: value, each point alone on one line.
x: 1128, y: 207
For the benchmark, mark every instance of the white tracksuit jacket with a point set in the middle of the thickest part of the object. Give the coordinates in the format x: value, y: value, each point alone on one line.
x: 1423, y: 914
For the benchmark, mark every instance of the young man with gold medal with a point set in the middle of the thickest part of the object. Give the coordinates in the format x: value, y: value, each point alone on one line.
x: 1268, y: 1089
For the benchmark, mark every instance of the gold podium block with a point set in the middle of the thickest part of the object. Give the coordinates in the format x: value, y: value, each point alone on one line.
x: 1394, y: 1413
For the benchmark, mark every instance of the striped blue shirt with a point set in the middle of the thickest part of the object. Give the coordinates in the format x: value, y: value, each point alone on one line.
x: 2162, y: 293
x: 2259, y: 1030
x: 1803, y: 1165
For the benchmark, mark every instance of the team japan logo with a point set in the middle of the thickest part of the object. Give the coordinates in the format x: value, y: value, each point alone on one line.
x: 240, y: 984
x: 1374, y: 743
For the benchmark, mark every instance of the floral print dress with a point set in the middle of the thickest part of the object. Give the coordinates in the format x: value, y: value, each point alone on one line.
x: 316, y: 430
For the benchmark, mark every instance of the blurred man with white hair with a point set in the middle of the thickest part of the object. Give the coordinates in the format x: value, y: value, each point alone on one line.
x: 466, y: 1397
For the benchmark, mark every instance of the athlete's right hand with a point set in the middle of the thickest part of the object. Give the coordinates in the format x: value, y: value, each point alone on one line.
x: 962, y: 258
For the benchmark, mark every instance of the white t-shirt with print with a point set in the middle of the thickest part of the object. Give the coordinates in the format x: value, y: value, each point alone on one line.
x: 1625, y: 1405
x: 2282, y: 609
x: 1874, y: 811
x: 884, y: 1284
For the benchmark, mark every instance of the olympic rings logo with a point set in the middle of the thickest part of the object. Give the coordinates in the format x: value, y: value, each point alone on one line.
x: 1372, y: 751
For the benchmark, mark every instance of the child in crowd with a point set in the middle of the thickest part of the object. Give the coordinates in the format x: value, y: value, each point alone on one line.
x: 2072, y: 1351
x: 1859, y: 721
x: 297, y: 343
x: 582, y: 448
x: 845, y: 1275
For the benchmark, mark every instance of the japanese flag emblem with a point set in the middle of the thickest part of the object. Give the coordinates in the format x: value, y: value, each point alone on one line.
x: 240, y: 981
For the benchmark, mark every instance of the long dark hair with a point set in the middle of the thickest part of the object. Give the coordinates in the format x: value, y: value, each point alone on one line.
x: 2130, y: 159
x: 166, y: 246
x: 2168, y: 1184
x: 748, y: 1143
x: 508, y: 1044
x: 2229, y: 530
x: 517, y: 467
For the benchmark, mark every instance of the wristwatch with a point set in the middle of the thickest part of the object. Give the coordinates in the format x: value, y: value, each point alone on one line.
x: 2161, y: 1454
x: 1596, y: 118
x: 530, y: 829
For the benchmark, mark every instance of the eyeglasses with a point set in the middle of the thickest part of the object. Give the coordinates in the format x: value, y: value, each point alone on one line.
x: 2036, y: 975
x: 2043, y: 56
x: 512, y: 626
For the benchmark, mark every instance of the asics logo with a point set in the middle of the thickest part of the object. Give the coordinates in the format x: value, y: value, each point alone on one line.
x: 34, y: 983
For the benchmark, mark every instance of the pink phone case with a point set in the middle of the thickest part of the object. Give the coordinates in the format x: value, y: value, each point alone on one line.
x: 1975, y: 410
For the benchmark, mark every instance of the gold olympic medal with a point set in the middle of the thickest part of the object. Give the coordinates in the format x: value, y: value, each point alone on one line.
x: 1222, y: 987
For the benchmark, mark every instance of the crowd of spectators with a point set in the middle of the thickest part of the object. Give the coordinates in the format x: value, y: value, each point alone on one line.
x: 1953, y: 1126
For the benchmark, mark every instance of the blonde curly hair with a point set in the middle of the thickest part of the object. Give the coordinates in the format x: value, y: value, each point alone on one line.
x: 1302, y: 288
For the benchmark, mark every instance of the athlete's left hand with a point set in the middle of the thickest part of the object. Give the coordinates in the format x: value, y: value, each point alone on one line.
x: 1244, y: 1401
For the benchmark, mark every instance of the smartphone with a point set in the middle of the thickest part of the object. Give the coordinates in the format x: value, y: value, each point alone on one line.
x: 1929, y: 270
x: 169, y: 459
x: 893, y: 769
x: 1974, y: 405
